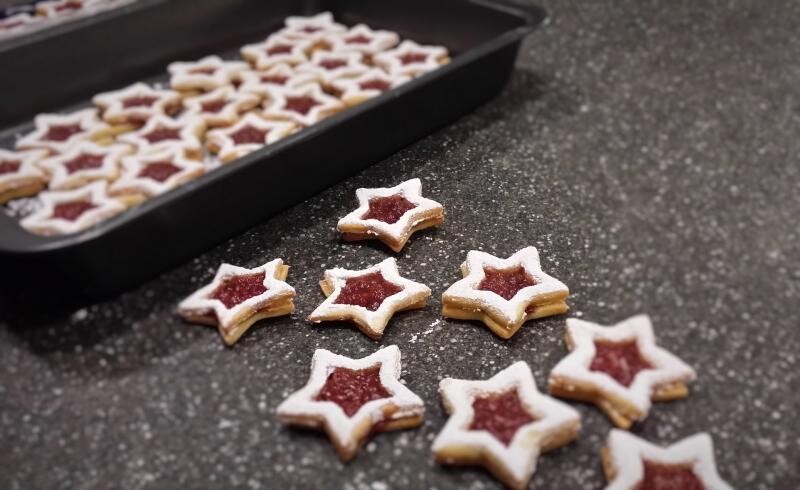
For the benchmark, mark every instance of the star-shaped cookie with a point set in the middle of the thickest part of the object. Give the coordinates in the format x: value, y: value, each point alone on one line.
x: 361, y: 39
x: 56, y: 133
x: 238, y: 297
x: 276, y: 50
x: 84, y: 162
x: 369, y: 297
x: 205, y: 74
x: 371, y: 83
x: 502, y: 423
x: 391, y: 214
x: 162, y: 132
x: 350, y: 399
x: 504, y: 293
x: 221, y: 107
x: 64, y: 212
x: 133, y: 106
x: 411, y: 59
x: 619, y: 368
x: 251, y: 133
x: 633, y: 463
x: 19, y: 175
x: 304, y: 105
x: 150, y: 174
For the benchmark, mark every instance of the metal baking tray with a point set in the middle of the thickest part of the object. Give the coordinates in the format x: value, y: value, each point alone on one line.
x: 64, y: 66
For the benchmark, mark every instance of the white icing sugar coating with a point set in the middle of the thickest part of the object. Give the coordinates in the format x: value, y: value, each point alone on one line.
x: 235, y: 104
x: 553, y: 419
x: 512, y: 311
x: 221, y: 141
x: 113, y: 104
x: 667, y: 368
x: 392, y: 60
x: 91, y: 127
x: 271, y: 52
x: 627, y: 452
x: 351, y: 66
x: 42, y: 221
x: 130, y: 182
x: 347, y: 432
x: 190, y: 132
x: 351, y: 89
x: 353, y: 40
x: 200, y: 303
x: 190, y: 75
x: 259, y: 82
x: 411, y: 190
x: 60, y: 176
x: 312, y: 28
x: 412, y: 292
x: 277, y: 99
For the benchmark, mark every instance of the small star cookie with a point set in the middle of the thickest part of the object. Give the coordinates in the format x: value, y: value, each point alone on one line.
x: 504, y: 293
x: 411, y: 59
x: 391, y: 214
x: 162, y: 132
x: 132, y: 106
x: 620, y: 369
x: 246, y: 136
x: 276, y: 50
x: 65, y: 212
x: 326, y: 67
x: 304, y: 105
x: 85, y: 162
x: 221, y: 107
x: 238, y: 297
x: 369, y: 84
x: 56, y: 133
x: 502, y: 423
x: 632, y: 463
x: 205, y: 74
x: 279, y: 76
x: 361, y: 39
x: 150, y: 174
x: 19, y: 174
x: 351, y: 399
x: 369, y: 297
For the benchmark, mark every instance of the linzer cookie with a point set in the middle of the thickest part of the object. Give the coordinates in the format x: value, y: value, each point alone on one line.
x: 19, y: 174
x: 204, y: 75
x: 239, y: 297
x: 631, y: 463
x: 369, y: 297
x: 150, y: 174
x: 371, y: 83
x: 221, y: 107
x: 64, y: 212
x: 504, y: 293
x: 85, y: 162
x: 56, y: 133
x: 363, y: 40
x: 326, y: 67
x: 503, y: 424
x: 314, y: 28
x: 277, y: 77
x: 246, y: 136
x: 411, y: 59
x: 58, y: 8
x: 163, y: 132
x: 276, y: 50
x: 133, y: 106
x: 303, y: 105
x: 620, y: 369
x: 391, y: 214
x: 352, y: 399
x: 15, y: 23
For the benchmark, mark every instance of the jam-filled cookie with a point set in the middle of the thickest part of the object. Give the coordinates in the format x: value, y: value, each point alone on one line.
x: 411, y: 59
x: 620, y: 369
x: 251, y: 133
x: 352, y: 399
x: 56, y: 133
x: 150, y: 174
x: 85, y: 162
x: 65, y: 212
x: 19, y: 174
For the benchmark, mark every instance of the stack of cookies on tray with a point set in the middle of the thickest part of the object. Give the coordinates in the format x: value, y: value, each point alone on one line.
x: 144, y: 140
x: 502, y: 423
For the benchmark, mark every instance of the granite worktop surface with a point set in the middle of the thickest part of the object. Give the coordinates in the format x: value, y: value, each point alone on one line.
x: 650, y: 150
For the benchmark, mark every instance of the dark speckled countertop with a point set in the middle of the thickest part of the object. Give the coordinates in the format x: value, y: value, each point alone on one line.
x: 649, y: 149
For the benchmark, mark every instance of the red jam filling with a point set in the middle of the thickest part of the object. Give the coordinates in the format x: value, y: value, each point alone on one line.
x: 84, y: 161
x: 203, y: 70
x: 159, y: 171
x: 659, y: 476
x: 410, y: 58
x: 213, y: 106
x: 505, y: 282
x: 501, y: 415
x: 369, y: 291
x: 279, y: 49
x: 249, y: 135
x: 620, y: 360
x: 274, y: 79
x: 311, y: 29
x: 302, y: 104
x: 237, y: 289
x: 138, y: 101
x: 71, y: 211
x: 163, y: 134
x: 9, y: 166
x: 359, y: 39
x: 62, y: 132
x: 69, y: 6
x: 10, y: 25
x: 332, y: 64
x: 353, y: 388
x: 375, y: 84
x: 388, y: 209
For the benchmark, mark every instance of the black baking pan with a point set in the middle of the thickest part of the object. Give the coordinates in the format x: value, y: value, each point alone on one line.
x: 66, y: 65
